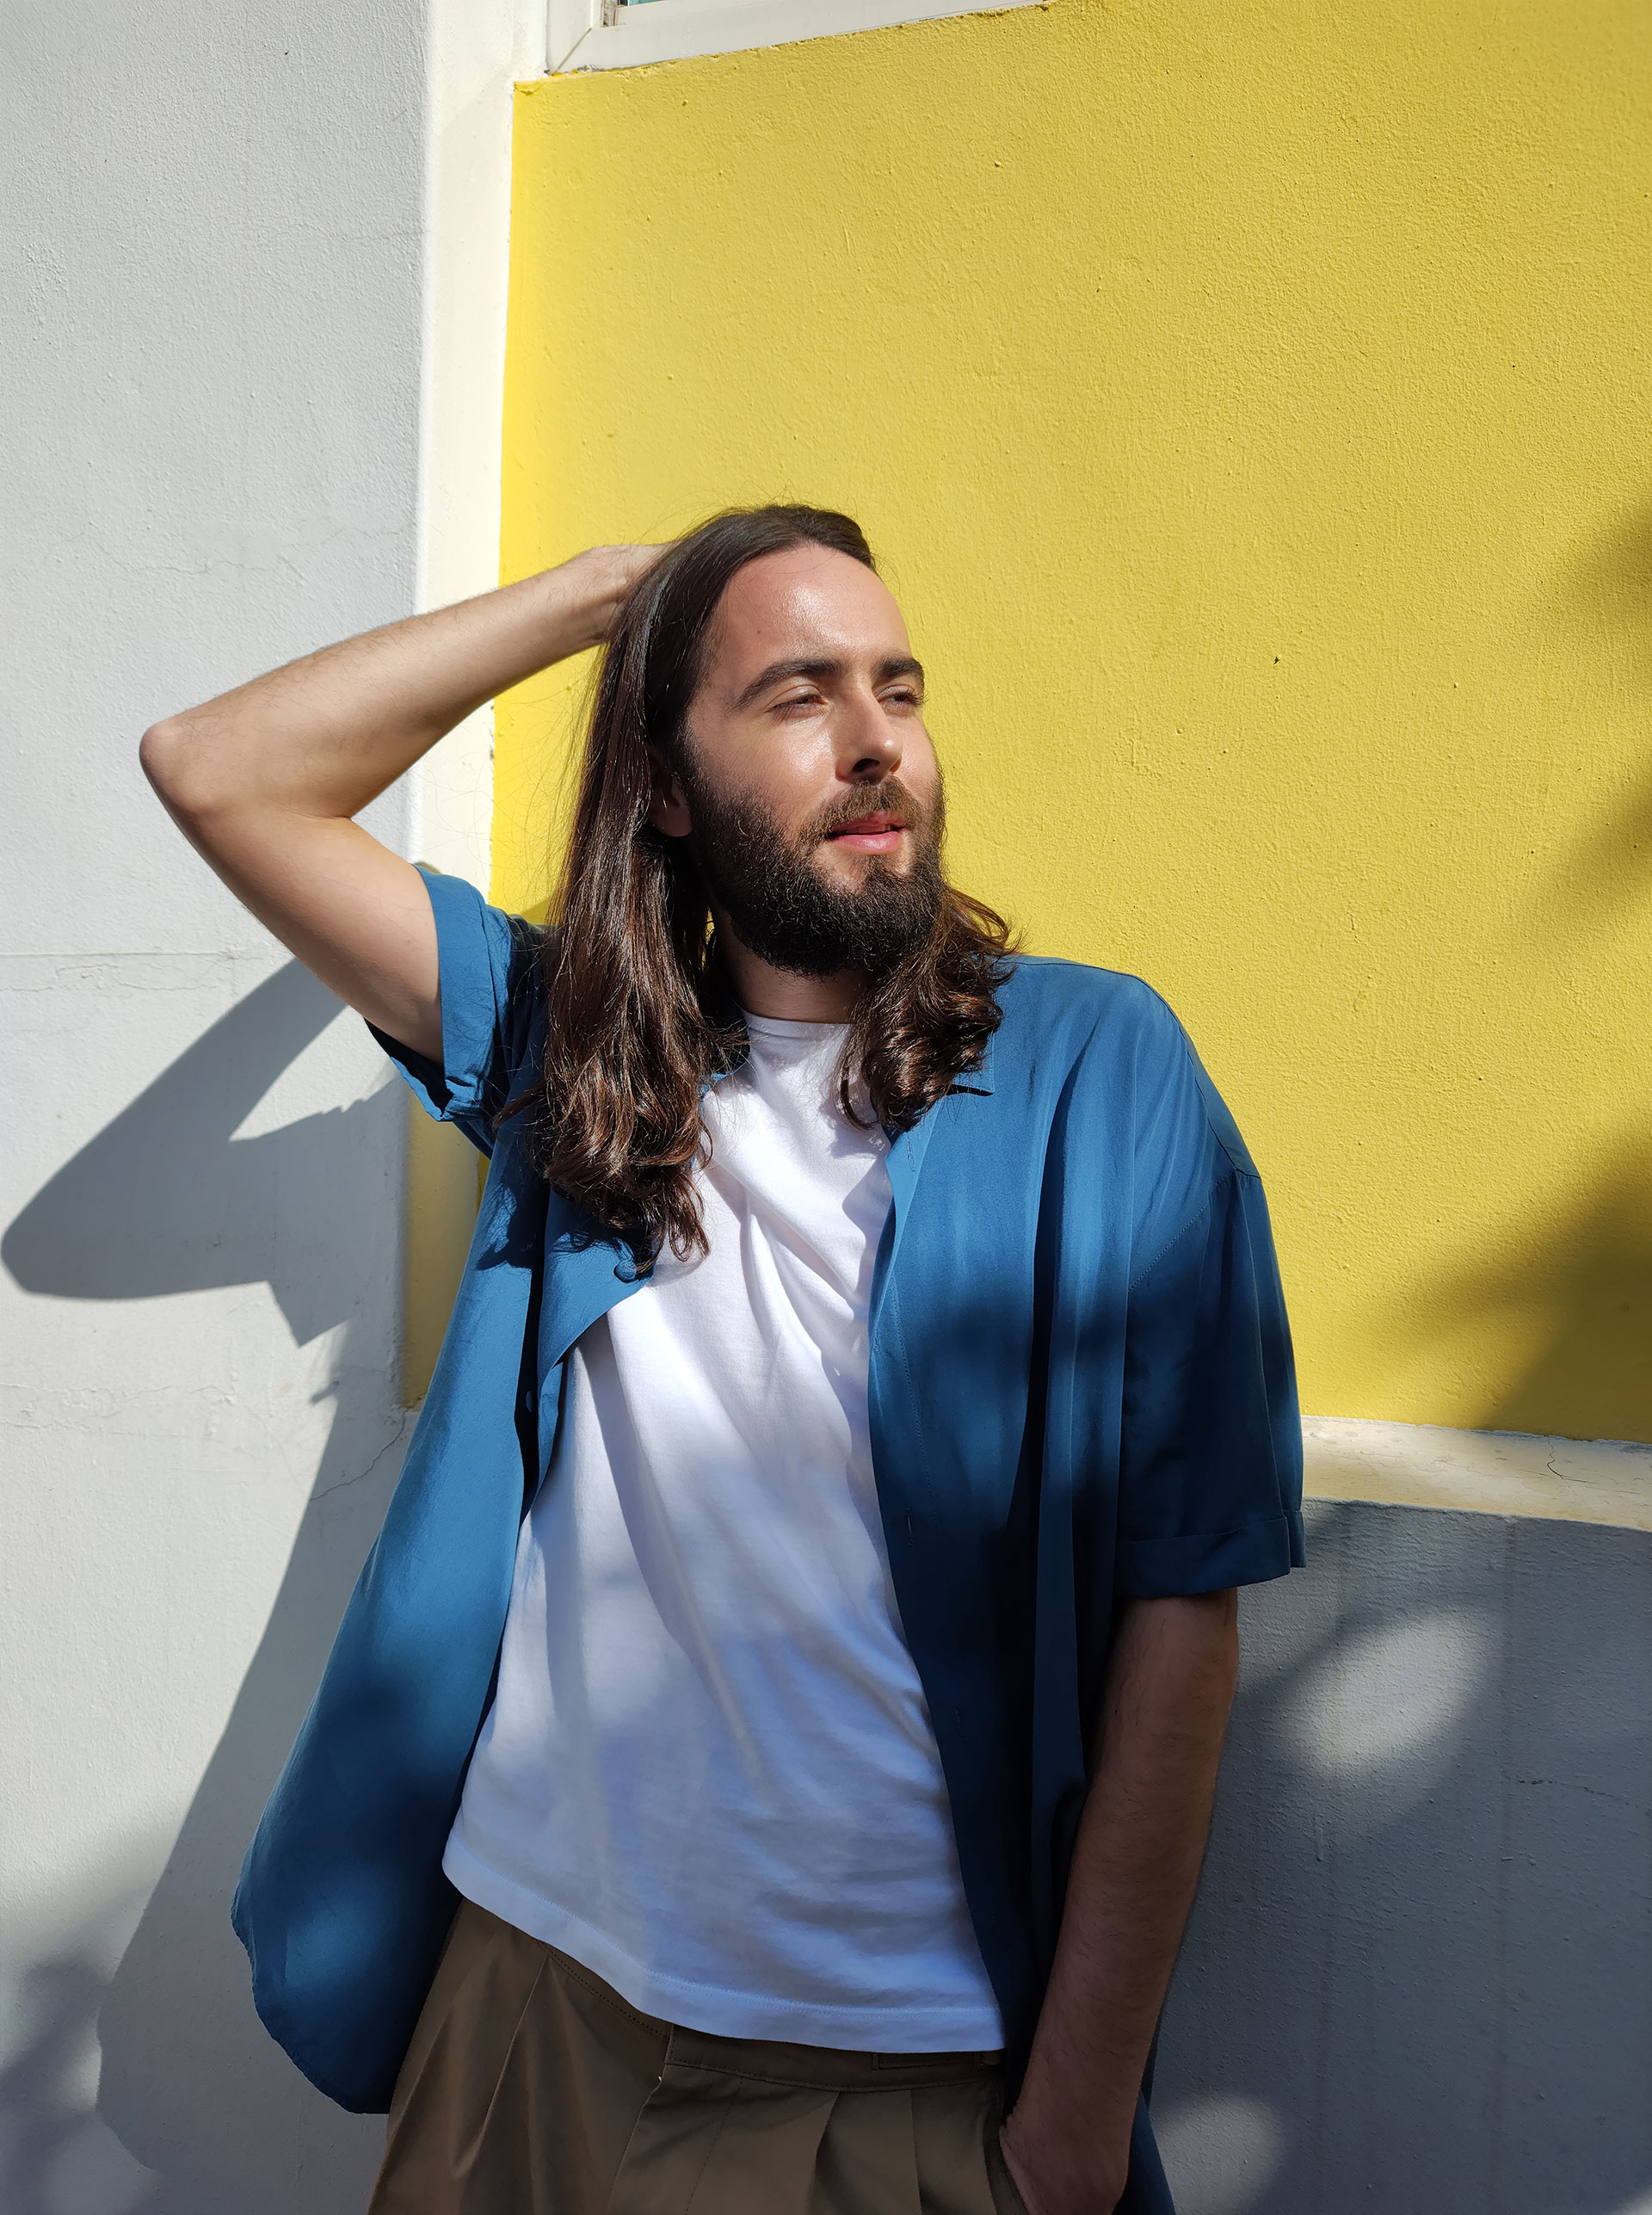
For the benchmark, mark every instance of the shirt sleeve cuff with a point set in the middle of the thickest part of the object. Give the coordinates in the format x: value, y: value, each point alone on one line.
x: 1209, y: 1561
x: 472, y: 986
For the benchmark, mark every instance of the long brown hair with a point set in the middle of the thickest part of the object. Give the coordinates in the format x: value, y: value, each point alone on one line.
x: 639, y: 1013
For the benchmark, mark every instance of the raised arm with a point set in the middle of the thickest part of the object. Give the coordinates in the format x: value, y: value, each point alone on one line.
x: 1141, y: 1840
x: 264, y: 781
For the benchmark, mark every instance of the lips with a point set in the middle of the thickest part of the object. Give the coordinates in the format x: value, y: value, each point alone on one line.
x: 867, y: 826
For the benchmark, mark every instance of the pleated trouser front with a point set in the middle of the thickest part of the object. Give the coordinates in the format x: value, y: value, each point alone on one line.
x: 531, y: 2087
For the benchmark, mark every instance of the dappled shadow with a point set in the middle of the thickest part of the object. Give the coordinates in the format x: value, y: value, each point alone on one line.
x: 1605, y: 596
x: 1606, y: 590
x: 1417, y: 1974
x: 165, y: 1199
x: 1581, y: 1285
x: 1586, y: 1280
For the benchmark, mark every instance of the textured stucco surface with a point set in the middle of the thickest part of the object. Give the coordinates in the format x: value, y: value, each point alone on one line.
x: 1420, y: 1973
x: 212, y: 359
x: 1247, y: 405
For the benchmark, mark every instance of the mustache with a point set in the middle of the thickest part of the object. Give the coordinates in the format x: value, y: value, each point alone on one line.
x: 888, y: 797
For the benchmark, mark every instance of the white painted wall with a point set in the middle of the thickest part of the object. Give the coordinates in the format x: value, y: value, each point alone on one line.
x: 586, y: 35
x: 256, y: 266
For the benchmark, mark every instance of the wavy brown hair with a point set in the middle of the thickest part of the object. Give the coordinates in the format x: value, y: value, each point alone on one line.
x: 639, y: 1014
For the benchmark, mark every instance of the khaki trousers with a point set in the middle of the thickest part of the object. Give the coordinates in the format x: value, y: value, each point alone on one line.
x: 531, y: 2088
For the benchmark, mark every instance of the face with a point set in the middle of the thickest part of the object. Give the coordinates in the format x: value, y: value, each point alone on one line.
x: 810, y: 792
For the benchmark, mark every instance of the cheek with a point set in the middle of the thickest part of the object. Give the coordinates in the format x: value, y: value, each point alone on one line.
x: 920, y: 772
x: 743, y: 769
x: 797, y: 777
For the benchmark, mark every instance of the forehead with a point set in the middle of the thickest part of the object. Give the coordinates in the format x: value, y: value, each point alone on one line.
x: 808, y: 602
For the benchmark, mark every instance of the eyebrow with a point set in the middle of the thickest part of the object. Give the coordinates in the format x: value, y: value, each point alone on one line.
x: 777, y: 672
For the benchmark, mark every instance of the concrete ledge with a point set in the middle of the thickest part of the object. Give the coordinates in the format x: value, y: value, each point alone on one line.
x: 1493, y: 1473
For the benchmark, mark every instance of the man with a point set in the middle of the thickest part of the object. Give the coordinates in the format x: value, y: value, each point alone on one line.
x: 776, y: 1732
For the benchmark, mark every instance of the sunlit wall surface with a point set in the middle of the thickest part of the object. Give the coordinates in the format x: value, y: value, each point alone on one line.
x: 1248, y: 407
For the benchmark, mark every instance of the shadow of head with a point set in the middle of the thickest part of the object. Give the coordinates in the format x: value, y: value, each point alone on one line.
x: 166, y: 1199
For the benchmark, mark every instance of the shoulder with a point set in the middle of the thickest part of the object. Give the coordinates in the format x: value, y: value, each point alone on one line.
x: 491, y: 966
x: 1114, y: 1031
x: 1049, y: 991
x: 465, y: 918
x: 1055, y: 1006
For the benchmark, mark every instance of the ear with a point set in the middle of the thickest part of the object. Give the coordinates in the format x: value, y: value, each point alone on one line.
x: 667, y: 807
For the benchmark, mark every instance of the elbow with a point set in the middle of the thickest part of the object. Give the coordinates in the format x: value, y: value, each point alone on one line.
x: 160, y: 753
x: 171, y: 757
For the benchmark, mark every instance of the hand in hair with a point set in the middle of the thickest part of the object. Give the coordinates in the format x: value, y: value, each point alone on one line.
x: 264, y: 779
x: 607, y: 574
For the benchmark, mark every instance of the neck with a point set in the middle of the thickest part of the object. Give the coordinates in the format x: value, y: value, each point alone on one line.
x: 763, y: 990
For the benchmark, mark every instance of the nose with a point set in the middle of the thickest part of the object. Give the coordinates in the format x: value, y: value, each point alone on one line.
x: 868, y: 739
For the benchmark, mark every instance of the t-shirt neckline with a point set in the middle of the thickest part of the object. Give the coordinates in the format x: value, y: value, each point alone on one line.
x: 786, y: 1027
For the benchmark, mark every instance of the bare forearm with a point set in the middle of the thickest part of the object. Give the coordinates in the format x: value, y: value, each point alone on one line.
x: 264, y: 781
x: 324, y: 735
x: 1136, y: 1866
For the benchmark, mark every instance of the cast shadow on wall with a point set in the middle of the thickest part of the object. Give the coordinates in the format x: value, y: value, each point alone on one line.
x: 1603, y: 600
x: 1408, y: 1964
x: 1416, y: 1975
x: 1585, y: 1282
x: 165, y: 1199
x: 1580, y: 1285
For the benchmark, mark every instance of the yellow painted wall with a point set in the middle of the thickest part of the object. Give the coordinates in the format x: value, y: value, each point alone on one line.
x: 1250, y: 405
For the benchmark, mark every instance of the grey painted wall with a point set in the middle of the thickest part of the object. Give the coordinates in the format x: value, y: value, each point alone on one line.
x: 1420, y: 1974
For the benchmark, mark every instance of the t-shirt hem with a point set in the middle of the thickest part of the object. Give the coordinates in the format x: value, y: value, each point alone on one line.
x: 875, y: 2027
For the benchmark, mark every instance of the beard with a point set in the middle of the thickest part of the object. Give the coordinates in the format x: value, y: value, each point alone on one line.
x: 782, y: 905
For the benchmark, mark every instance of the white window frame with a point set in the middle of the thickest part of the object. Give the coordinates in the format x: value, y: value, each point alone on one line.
x: 596, y: 35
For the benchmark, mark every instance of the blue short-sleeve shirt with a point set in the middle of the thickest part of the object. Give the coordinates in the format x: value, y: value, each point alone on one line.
x: 1081, y: 1390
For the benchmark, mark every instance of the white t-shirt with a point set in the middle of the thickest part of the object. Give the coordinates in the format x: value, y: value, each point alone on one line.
x: 709, y: 1773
